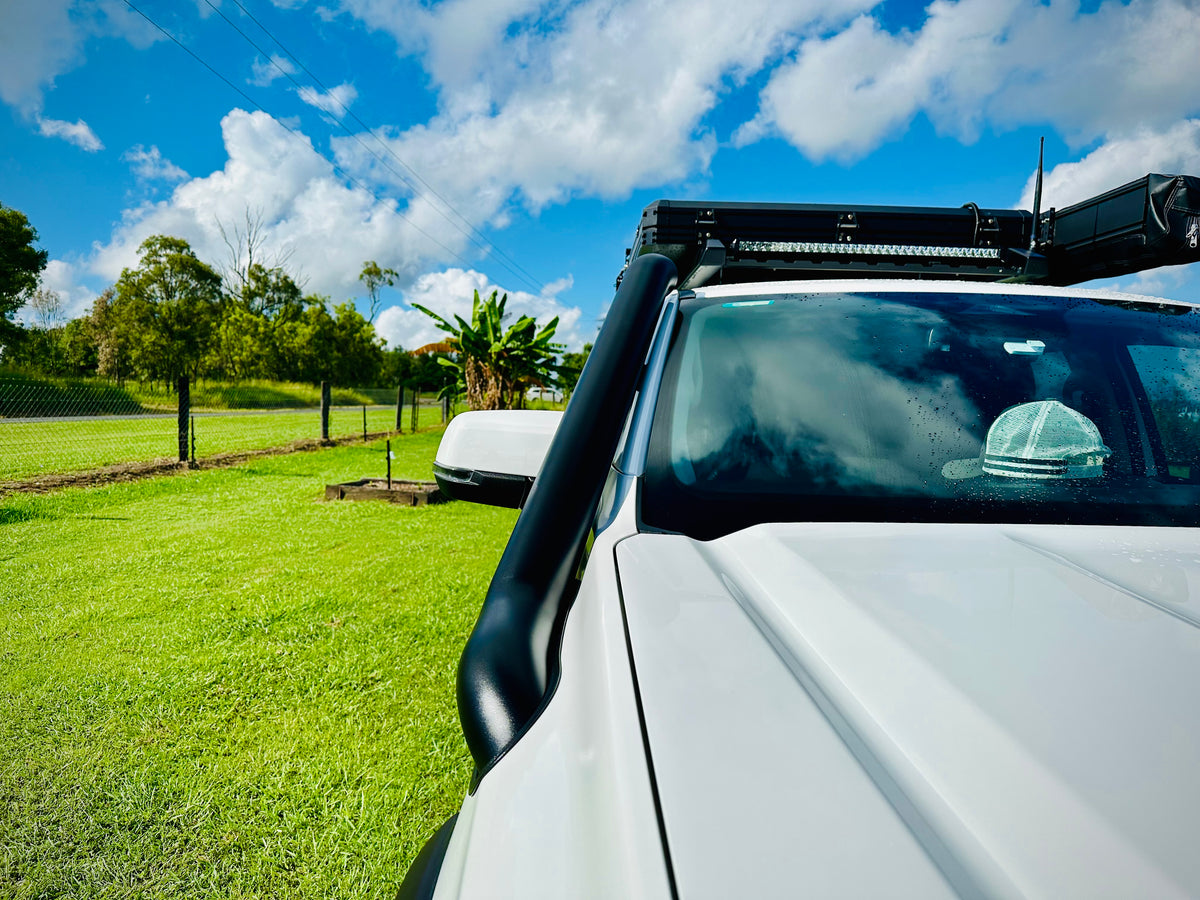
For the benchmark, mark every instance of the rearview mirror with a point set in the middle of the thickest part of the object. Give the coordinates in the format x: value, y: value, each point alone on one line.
x: 493, y: 456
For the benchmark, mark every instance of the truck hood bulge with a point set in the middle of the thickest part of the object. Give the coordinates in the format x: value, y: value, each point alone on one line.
x: 922, y: 710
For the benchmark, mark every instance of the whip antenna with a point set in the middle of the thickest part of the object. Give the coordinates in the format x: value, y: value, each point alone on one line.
x: 1037, y: 198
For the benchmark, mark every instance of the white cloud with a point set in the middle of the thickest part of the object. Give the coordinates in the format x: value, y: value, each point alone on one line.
x: 1168, y: 281
x: 264, y: 72
x: 1171, y: 151
x: 41, y: 40
x: 38, y: 41
x: 78, y: 133
x: 587, y: 101
x: 151, y: 165
x: 307, y: 212
x: 1001, y: 63
x: 450, y: 293
x: 62, y: 278
x: 336, y: 101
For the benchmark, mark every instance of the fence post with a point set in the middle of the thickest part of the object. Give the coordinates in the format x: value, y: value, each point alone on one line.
x: 185, y: 411
x: 416, y: 400
x: 324, y: 411
x: 400, y: 409
x: 445, y: 409
x: 364, y: 423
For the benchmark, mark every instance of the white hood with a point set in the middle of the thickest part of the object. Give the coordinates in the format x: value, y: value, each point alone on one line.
x: 923, y: 710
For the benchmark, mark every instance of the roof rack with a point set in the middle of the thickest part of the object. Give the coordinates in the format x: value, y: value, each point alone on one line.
x: 1151, y: 222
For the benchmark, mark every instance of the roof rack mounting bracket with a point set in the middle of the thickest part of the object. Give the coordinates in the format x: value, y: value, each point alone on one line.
x: 710, y: 264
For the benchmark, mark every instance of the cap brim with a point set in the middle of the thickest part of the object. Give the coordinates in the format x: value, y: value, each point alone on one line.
x: 958, y: 469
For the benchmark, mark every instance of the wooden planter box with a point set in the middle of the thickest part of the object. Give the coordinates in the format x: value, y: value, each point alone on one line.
x: 406, y: 493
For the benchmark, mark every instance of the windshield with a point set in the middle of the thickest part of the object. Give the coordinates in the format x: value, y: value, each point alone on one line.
x: 926, y: 407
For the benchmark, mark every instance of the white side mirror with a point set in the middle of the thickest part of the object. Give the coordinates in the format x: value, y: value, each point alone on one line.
x: 493, y: 456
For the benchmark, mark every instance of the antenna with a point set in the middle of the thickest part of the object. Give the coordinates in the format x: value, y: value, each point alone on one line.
x: 1037, y: 198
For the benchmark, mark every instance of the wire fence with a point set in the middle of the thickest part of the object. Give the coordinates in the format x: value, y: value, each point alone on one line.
x: 56, y: 427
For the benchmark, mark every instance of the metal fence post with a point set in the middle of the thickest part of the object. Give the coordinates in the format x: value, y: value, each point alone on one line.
x: 325, y: 410
x: 185, y: 410
x: 400, y: 409
x: 445, y: 409
x: 416, y: 400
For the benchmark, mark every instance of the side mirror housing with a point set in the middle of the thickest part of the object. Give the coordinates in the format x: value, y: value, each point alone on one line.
x: 493, y: 456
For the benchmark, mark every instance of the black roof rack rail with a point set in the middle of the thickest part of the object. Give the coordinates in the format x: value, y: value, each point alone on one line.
x: 1151, y: 222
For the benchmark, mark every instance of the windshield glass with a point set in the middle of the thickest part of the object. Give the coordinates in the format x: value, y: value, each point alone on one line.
x: 926, y: 407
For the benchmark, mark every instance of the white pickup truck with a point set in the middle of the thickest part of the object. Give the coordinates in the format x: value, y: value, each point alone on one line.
x: 848, y: 586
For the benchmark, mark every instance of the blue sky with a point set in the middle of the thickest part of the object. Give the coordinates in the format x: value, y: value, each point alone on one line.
x: 537, y: 130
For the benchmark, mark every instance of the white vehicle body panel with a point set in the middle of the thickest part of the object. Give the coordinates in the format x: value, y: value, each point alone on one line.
x: 906, y: 285
x: 569, y: 811
x: 908, y: 709
x: 853, y: 709
x: 510, y: 441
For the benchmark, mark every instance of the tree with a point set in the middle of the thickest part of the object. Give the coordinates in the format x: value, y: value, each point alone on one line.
x: 249, y: 339
x: 335, y: 344
x: 375, y: 278
x: 21, y: 263
x: 165, y: 311
x: 495, y: 367
x: 245, y: 246
x: 112, y: 356
x: 571, y: 368
x: 271, y: 292
x: 47, y: 308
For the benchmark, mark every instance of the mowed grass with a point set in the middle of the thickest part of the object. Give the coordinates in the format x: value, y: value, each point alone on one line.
x: 24, y: 394
x: 32, y: 449
x: 215, y: 685
x: 253, y: 394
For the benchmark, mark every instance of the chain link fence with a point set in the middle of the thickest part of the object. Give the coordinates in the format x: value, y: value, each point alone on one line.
x: 51, y: 427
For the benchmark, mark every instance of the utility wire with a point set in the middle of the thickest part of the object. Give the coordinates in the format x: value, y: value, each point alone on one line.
x: 477, y: 236
x: 338, y: 169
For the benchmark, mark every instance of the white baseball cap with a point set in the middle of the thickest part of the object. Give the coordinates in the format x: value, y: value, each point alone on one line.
x: 1042, y: 439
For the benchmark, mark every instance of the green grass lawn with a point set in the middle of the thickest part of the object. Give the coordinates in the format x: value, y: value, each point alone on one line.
x: 254, y: 394
x: 214, y: 685
x: 30, y: 449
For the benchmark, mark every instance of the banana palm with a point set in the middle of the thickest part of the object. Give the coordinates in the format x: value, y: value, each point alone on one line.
x: 496, y: 366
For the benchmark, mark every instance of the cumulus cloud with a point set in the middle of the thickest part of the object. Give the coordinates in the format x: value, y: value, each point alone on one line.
x: 63, y: 278
x: 1171, y: 151
x: 335, y: 101
x: 39, y: 41
x: 307, y: 212
x: 973, y: 63
x: 586, y: 102
x: 151, y: 165
x: 264, y: 71
x: 78, y: 133
x: 1168, y: 281
x: 450, y: 293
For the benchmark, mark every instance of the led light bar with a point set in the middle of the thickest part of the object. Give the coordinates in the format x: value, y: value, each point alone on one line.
x: 824, y: 248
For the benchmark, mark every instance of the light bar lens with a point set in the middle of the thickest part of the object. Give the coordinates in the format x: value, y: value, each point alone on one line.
x: 814, y: 248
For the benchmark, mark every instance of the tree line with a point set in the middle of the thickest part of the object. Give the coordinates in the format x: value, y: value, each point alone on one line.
x: 174, y: 314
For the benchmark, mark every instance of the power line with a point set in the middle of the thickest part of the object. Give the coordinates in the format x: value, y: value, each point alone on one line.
x: 477, y: 236
x: 338, y: 169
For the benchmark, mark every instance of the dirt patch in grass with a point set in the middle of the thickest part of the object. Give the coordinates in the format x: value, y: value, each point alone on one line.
x: 133, y: 471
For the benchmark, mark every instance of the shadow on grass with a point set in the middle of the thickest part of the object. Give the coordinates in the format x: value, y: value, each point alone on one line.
x: 12, y: 515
